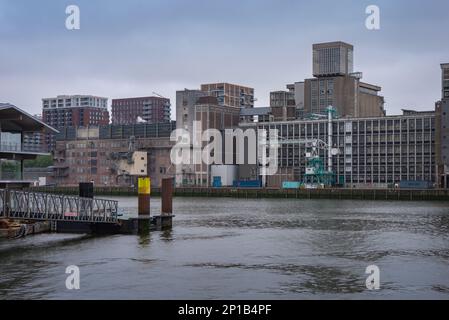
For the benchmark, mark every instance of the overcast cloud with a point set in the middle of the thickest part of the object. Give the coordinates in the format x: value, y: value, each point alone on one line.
x: 134, y: 47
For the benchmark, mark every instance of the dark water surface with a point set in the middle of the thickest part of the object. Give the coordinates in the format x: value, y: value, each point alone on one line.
x: 245, y: 249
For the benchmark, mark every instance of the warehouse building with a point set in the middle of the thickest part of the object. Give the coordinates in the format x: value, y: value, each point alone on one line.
x: 100, y: 154
x: 373, y: 152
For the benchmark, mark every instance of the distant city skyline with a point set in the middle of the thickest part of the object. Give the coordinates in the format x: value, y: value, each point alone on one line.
x: 139, y: 47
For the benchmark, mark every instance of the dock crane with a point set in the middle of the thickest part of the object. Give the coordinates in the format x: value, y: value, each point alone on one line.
x: 316, y: 174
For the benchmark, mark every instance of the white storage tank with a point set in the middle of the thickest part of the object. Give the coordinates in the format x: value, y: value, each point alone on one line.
x: 227, y: 173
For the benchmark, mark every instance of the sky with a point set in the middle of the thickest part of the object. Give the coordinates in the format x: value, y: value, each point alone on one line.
x: 136, y: 47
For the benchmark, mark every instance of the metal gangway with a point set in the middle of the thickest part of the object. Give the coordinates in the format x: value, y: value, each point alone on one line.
x: 17, y: 204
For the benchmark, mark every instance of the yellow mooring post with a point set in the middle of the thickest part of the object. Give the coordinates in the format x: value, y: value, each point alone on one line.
x: 144, y: 187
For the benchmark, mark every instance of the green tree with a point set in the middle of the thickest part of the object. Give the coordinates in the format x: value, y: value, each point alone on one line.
x: 40, y: 162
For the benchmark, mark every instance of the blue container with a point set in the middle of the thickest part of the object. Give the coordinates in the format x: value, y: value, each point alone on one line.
x: 217, y: 182
x: 291, y: 185
x: 248, y: 184
x: 407, y: 184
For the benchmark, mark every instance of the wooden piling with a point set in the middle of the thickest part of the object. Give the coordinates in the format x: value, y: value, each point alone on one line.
x: 167, y: 197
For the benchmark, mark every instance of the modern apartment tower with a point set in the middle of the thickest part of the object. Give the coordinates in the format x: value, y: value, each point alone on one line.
x: 73, y: 111
x: 231, y: 95
x: 147, y: 109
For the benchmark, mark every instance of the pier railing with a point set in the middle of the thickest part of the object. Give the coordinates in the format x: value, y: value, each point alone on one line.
x: 26, y: 205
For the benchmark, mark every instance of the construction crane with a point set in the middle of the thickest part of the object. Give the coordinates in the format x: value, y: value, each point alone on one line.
x: 159, y: 95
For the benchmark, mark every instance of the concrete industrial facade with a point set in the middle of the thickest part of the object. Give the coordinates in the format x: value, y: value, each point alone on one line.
x: 94, y: 153
x: 347, y: 94
x: 374, y: 152
x: 231, y: 95
x: 210, y: 115
x: 215, y: 106
x: 335, y: 84
x: 442, y: 122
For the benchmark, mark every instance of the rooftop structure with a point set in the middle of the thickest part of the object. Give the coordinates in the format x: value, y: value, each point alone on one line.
x: 14, y: 125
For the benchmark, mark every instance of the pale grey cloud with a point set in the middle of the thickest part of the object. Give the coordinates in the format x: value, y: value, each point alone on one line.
x: 136, y: 47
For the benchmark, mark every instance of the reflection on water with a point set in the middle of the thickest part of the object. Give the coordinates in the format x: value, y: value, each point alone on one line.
x: 245, y: 249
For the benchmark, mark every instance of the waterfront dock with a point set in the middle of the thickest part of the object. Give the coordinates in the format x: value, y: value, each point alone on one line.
x: 246, y: 193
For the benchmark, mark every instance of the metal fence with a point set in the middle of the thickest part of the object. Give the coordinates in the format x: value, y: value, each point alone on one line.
x: 42, y: 206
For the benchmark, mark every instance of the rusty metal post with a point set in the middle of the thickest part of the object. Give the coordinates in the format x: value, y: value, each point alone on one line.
x: 165, y: 220
x: 167, y: 197
x: 144, y: 197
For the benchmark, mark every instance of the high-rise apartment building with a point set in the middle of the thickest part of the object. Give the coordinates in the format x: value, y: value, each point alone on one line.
x: 148, y: 109
x: 333, y: 59
x: 73, y: 111
x: 231, y: 95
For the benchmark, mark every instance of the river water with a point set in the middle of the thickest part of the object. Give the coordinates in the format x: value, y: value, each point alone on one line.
x: 245, y: 249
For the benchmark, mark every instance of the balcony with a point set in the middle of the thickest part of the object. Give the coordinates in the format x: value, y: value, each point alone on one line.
x: 18, y: 147
x: 20, y: 151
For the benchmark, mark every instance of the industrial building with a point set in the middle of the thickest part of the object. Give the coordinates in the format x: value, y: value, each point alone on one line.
x: 334, y: 83
x: 106, y: 155
x: 442, y: 122
x: 372, y: 152
x: 216, y: 106
x: 230, y: 95
x: 333, y: 59
x: 283, y: 106
x: 144, y: 109
x: 211, y: 115
x: 354, y: 152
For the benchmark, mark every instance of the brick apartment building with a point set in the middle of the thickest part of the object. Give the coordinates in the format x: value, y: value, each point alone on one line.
x: 148, y: 109
x: 73, y: 111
